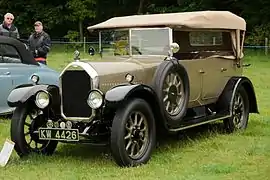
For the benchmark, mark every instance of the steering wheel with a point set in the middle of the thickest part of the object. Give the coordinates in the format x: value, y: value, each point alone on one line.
x: 136, y: 49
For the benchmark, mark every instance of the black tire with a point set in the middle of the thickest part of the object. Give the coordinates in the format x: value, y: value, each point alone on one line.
x: 120, y: 129
x: 160, y: 76
x: 18, y: 136
x: 239, y: 114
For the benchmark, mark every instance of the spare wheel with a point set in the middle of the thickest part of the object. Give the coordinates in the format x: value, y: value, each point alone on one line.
x: 171, y: 85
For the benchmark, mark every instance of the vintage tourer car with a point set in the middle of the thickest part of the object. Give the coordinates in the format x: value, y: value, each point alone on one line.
x: 151, y: 74
x: 17, y: 68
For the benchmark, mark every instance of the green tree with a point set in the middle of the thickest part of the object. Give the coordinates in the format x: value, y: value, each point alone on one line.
x: 80, y: 10
x: 27, y: 12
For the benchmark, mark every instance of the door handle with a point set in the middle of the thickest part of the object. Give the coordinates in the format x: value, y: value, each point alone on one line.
x: 223, y: 69
x: 7, y: 73
x: 201, y: 71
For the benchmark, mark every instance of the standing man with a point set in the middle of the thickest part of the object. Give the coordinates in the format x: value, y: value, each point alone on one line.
x: 7, y: 28
x: 39, y: 43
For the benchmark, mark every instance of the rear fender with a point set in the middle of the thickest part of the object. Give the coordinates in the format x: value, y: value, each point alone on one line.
x: 248, y: 86
x: 225, y: 100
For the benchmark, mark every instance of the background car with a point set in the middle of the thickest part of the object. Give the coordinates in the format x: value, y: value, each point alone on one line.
x: 18, y: 68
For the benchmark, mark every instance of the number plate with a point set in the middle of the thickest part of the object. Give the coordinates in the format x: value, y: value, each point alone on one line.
x: 58, y: 134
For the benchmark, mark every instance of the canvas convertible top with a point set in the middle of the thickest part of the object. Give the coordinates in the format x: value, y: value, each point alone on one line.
x: 196, y: 19
x: 26, y: 55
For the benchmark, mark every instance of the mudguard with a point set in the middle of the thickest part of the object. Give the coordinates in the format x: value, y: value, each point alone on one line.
x: 247, y: 84
x: 233, y: 84
x: 20, y: 95
x: 120, y: 93
x: 117, y: 97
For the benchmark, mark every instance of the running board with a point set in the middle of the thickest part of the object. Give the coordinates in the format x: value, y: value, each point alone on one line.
x: 199, y: 121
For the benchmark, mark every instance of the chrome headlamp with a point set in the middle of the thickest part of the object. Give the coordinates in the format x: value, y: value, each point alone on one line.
x: 42, y: 99
x: 95, y: 99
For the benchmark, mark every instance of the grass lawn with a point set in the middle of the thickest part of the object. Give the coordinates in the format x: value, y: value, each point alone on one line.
x: 200, y: 153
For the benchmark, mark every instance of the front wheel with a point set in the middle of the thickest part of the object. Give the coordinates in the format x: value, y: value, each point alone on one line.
x: 133, y: 134
x: 239, y: 111
x: 25, y: 122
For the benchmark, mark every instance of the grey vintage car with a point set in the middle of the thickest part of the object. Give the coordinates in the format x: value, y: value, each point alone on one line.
x: 152, y: 74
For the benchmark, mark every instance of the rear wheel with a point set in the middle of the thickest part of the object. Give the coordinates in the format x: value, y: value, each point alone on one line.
x: 133, y: 134
x: 25, y: 122
x: 240, y: 112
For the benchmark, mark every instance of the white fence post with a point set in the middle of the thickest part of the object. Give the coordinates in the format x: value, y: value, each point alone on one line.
x: 84, y: 42
x: 266, y: 46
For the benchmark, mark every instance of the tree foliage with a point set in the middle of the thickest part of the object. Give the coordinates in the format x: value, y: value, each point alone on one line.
x: 79, y: 10
x: 62, y: 16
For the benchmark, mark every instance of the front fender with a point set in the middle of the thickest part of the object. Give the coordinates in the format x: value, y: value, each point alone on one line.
x: 20, y: 95
x: 119, y: 93
x: 117, y: 97
x: 123, y: 92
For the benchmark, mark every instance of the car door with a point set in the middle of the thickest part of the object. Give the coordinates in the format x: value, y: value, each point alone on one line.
x: 205, y: 77
x: 194, y: 68
x: 212, y: 78
x: 211, y: 46
x: 12, y: 73
x: 5, y: 87
x: 7, y: 54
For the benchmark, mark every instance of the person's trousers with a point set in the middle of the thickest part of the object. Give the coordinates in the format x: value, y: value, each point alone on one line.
x: 43, y: 62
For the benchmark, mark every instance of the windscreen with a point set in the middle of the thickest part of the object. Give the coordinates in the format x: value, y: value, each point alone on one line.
x: 142, y: 41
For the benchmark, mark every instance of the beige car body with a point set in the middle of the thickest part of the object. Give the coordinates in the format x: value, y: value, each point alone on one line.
x: 160, y: 73
x: 208, y: 74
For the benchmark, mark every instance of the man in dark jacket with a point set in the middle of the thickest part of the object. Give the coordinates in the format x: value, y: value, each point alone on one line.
x: 7, y: 28
x: 39, y: 43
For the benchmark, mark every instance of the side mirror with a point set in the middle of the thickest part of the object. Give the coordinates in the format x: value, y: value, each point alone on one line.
x: 26, y: 47
x: 91, y: 51
x: 174, y: 47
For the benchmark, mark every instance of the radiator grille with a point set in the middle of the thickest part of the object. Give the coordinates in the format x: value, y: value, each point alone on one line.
x: 75, y: 89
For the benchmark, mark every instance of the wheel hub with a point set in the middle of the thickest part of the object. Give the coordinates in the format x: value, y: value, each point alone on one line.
x: 172, y: 94
x: 32, y: 128
x: 238, y: 110
x: 38, y: 122
x: 137, y: 134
